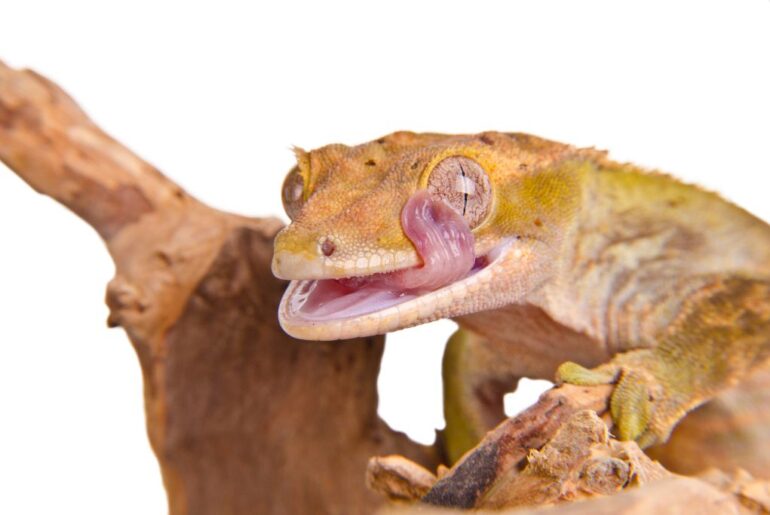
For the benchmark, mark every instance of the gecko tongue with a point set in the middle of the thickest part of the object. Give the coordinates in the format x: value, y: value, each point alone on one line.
x: 442, y: 239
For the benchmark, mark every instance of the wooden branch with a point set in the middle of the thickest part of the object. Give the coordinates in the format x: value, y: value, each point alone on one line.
x: 581, y: 462
x: 500, y: 454
x: 242, y: 418
x: 398, y: 479
x: 674, y: 495
x: 557, y: 451
x: 55, y: 148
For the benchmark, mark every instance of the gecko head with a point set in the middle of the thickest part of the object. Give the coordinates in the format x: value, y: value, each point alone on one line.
x: 412, y: 227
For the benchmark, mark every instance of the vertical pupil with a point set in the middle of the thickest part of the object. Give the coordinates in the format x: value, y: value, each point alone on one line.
x: 462, y: 184
x: 465, y: 189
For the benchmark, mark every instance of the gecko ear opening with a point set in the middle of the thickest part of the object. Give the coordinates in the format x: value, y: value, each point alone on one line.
x: 464, y: 185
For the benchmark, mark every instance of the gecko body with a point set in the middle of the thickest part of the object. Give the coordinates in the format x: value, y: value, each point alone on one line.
x: 552, y: 259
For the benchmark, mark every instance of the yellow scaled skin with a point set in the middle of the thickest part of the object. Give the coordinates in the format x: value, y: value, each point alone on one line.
x: 663, y: 286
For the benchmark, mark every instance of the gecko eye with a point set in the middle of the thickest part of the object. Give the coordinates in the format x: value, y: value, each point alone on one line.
x: 293, y: 193
x: 464, y: 185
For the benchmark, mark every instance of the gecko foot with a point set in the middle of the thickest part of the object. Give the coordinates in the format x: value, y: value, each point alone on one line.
x: 642, y: 407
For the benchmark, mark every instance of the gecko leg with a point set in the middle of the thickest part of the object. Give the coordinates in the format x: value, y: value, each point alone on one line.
x: 473, y: 392
x: 728, y: 432
x: 721, y: 335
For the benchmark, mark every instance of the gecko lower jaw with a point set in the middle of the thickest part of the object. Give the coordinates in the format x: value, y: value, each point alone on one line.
x: 333, y: 309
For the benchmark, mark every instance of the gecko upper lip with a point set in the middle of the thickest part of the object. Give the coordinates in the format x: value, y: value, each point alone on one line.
x: 290, y: 266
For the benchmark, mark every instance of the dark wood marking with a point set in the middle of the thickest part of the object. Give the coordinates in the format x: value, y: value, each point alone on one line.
x: 469, y: 480
x: 23, y: 115
x: 108, y: 210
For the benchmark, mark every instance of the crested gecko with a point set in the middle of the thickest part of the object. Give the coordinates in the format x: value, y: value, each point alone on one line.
x: 554, y: 261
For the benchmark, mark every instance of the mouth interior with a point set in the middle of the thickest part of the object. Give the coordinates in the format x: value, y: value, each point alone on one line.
x: 331, y: 299
x: 445, y: 244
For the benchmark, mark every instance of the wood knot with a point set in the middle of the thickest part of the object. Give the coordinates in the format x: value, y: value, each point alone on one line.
x: 605, y: 475
x: 123, y: 296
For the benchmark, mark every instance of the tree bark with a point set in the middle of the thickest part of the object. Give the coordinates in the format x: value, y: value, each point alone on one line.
x: 242, y: 418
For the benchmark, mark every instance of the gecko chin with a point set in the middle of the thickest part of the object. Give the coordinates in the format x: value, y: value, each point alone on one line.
x: 331, y: 309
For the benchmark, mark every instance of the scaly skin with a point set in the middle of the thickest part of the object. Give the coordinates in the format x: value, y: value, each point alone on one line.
x: 597, y: 262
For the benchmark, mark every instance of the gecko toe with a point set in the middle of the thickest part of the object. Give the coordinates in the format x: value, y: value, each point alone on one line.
x: 572, y: 373
x: 630, y: 406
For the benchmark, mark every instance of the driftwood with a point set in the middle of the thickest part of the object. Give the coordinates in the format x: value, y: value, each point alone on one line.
x: 729, y: 433
x: 501, y: 453
x: 674, y: 495
x: 581, y: 469
x: 244, y: 419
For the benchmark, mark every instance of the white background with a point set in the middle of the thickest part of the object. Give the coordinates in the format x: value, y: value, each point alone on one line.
x: 216, y: 94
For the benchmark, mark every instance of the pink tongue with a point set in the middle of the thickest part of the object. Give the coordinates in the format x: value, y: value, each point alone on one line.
x: 442, y: 239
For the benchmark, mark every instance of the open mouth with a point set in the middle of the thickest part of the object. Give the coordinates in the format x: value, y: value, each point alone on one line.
x: 324, y: 300
x: 328, y: 309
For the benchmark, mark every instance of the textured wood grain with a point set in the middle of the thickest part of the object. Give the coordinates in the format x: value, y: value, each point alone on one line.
x: 500, y: 454
x: 242, y: 418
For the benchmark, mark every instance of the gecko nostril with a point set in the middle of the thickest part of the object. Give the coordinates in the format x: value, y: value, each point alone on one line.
x: 328, y: 247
